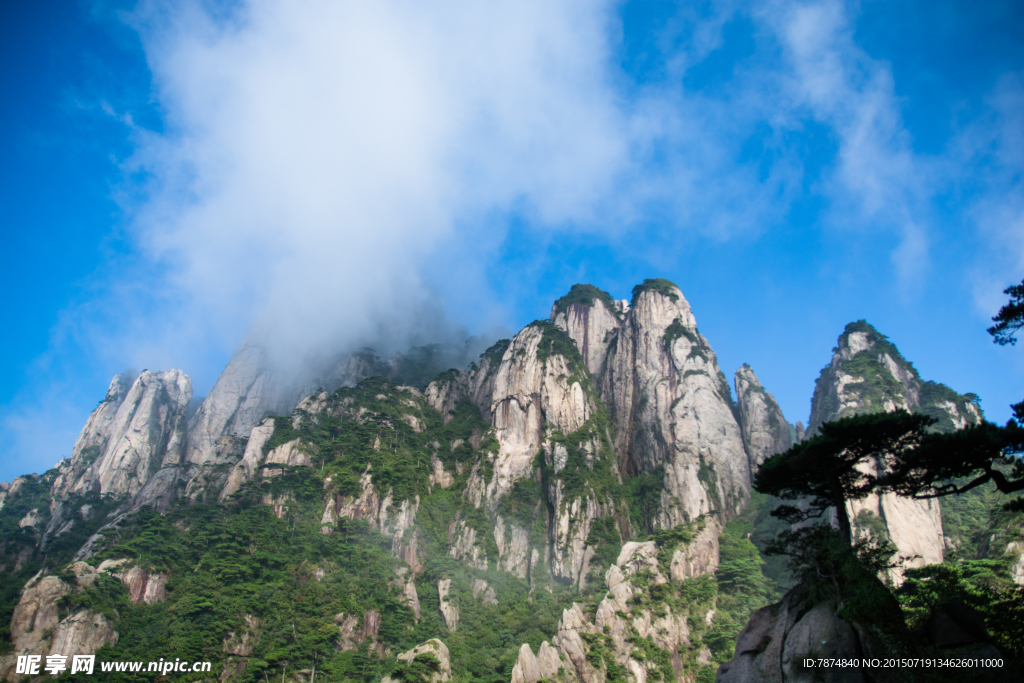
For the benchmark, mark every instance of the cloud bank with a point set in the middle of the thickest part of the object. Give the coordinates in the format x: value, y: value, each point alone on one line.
x: 325, y: 170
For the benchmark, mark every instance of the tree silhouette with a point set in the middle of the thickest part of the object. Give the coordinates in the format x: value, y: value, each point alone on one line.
x: 842, y: 463
x: 946, y: 464
x: 1010, y: 318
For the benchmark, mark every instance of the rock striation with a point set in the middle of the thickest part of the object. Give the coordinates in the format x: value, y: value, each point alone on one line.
x: 667, y: 398
x: 765, y: 430
x: 131, y: 435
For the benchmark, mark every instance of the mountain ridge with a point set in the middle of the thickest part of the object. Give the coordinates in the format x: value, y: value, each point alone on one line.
x: 595, y: 466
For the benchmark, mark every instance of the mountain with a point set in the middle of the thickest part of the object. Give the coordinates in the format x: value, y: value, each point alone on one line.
x: 868, y: 374
x: 574, y: 504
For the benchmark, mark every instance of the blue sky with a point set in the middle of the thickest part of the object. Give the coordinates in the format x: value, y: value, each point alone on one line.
x: 171, y: 177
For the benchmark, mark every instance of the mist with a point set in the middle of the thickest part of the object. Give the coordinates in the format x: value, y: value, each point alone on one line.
x: 316, y: 153
x: 327, y: 176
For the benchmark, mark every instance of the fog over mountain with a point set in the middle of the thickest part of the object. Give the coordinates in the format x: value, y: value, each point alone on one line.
x: 326, y: 176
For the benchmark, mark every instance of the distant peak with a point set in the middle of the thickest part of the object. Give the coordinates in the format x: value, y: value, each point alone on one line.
x: 861, y: 336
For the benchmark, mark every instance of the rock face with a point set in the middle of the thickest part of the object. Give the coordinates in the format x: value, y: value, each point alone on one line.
x: 37, y: 629
x: 765, y: 430
x: 868, y: 374
x: 538, y: 396
x: 530, y: 669
x: 591, y: 318
x: 245, y: 469
x: 634, y: 630
x: 433, y: 650
x: 669, y: 403
x: 243, y: 395
x: 247, y: 391
x: 131, y: 435
x: 449, y: 611
x: 533, y: 395
x: 143, y: 586
x: 777, y: 639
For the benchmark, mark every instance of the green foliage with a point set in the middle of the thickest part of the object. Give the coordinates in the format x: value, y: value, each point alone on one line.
x: 676, y: 330
x: 555, y: 342
x: 419, y: 670
x: 971, y: 519
x: 667, y: 540
x: 605, y: 538
x: 983, y: 584
x: 420, y: 365
x: 585, y: 295
x: 644, y: 496
x: 742, y: 589
x: 959, y: 461
x: 496, y: 351
x: 831, y: 569
x: 867, y: 522
x: 659, y: 285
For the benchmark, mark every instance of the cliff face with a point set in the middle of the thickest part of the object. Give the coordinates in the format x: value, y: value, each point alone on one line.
x: 591, y: 318
x: 765, y: 430
x: 131, y: 434
x: 668, y: 400
x: 868, y: 374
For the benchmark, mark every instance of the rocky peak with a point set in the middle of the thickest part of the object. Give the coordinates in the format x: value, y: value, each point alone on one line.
x: 238, y: 401
x: 130, y: 436
x: 765, y: 430
x: 868, y: 374
x: 672, y: 407
x: 591, y: 318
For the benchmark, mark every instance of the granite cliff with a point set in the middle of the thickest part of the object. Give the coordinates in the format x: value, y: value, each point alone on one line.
x: 568, y: 506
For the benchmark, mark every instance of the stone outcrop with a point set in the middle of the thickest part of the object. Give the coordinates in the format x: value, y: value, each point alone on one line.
x: 625, y: 609
x: 245, y: 469
x: 247, y: 391
x: 532, y: 396
x: 765, y: 430
x: 449, y: 610
x: 1016, y: 550
x: 351, y: 633
x: 773, y: 645
x: 37, y: 629
x: 143, y: 586
x: 383, y: 513
x: 244, y: 394
x: 530, y: 669
x: 131, y: 435
x: 434, y: 650
x: 591, y: 323
x: 867, y: 374
x: 533, y: 390
x: 483, y: 592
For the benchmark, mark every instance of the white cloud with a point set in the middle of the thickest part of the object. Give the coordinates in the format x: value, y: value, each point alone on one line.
x: 877, y: 180
x: 322, y: 163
